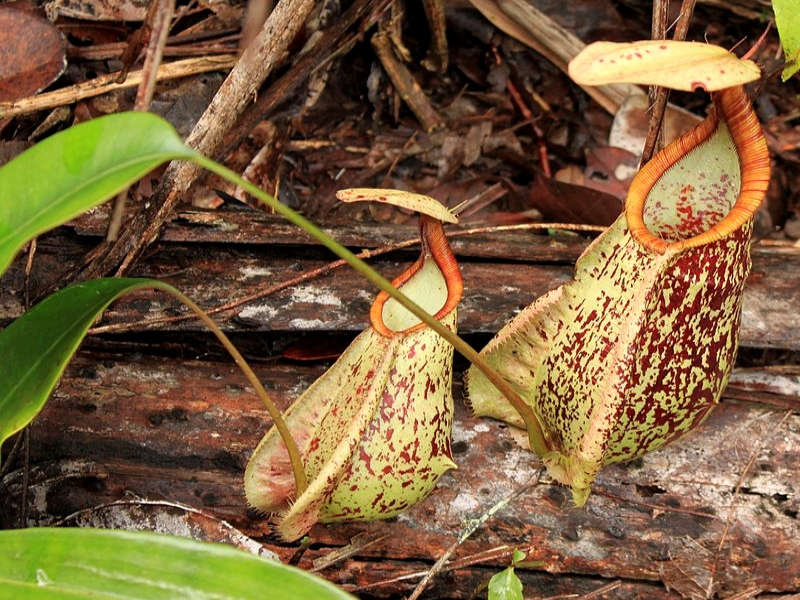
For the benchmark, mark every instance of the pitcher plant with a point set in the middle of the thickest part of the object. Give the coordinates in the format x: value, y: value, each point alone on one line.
x: 375, y: 430
x: 637, y: 349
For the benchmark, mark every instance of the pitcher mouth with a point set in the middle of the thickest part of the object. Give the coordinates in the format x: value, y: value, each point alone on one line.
x: 434, y: 246
x: 731, y: 107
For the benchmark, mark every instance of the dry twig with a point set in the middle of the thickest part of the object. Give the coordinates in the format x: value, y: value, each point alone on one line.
x: 159, y: 16
x: 471, y: 528
x: 406, y: 85
x: 236, y: 92
x: 659, y: 95
x: 108, y: 83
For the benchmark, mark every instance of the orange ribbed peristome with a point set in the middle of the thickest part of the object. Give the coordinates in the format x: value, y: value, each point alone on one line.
x: 436, y: 246
x: 732, y: 106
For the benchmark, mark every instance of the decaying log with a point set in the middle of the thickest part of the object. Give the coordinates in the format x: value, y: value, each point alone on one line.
x: 259, y: 252
x: 718, y: 508
x: 715, y: 511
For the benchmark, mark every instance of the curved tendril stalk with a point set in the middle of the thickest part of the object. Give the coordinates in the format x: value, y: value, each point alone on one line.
x: 301, y: 481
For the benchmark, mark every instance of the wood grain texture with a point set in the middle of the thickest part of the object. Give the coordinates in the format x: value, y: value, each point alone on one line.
x: 220, y: 266
x: 718, y: 506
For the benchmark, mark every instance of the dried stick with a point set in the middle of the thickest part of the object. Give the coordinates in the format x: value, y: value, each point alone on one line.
x: 497, y: 553
x: 659, y: 95
x: 601, y: 591
x: 656, y: 95
x: 437, y: 57
x: 107, y: 83
x: 406, y: 85
x: 237, y: 91
x: 159, y: 18
x: 471, y: 528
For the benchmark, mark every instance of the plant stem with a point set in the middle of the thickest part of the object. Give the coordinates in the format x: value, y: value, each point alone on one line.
x: 535, y: 435
x: 298, y: 470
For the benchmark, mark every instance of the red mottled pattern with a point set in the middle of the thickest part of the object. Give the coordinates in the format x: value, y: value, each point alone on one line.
x: 269, y: 483
x: 696, y: 192
x: 689, y: 342
x: 374, y: 431
x: 638, y: 348
x: 375, y: 447
x: 613, y: 375
x: 406, y: 447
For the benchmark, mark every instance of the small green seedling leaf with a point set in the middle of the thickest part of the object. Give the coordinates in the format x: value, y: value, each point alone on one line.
x: 787, y: 20
x: 61, y: 564
x: 408, y: 200
x: 35, y: 349
x: 685, y: 66
x: 77, y: 169
x: 505, y: 585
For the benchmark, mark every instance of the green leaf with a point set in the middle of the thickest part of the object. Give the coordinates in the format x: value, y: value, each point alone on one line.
x: 94, y: 563
x: 74, y: 170
x: 505, y: 585
x: 787, y: 20
x: 35, y: 349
